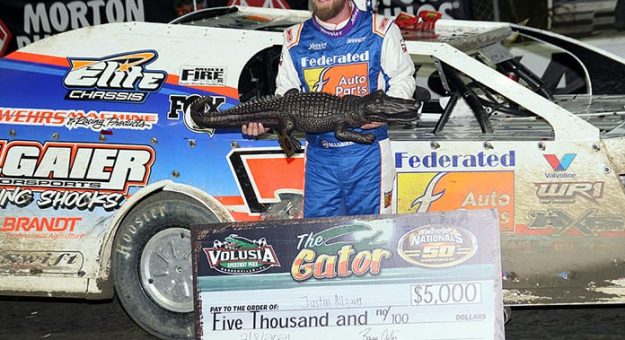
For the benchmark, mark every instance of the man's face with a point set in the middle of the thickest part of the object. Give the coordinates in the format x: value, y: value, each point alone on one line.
x: 327, y: 9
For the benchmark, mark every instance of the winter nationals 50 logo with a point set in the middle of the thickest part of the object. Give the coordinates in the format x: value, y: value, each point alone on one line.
x: 437, y: 246
x: 122, y: 77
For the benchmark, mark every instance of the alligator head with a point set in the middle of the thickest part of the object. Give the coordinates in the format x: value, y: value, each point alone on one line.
x: 379, y: 107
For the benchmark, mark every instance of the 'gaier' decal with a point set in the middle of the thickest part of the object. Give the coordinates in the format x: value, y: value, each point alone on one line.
x: 77, y: 166
x: 123, y: 77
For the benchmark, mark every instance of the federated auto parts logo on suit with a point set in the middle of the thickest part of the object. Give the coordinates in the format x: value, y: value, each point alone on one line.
x: 437, y: 246
x: 123, y: 77
x: 240, y: 255
x: 338, y: 75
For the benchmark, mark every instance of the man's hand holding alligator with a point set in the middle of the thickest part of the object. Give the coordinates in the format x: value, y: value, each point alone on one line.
x: 254, y: 129
x: 372, y: 125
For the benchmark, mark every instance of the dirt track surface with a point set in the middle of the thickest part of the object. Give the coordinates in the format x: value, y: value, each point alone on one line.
x: 79, y: 319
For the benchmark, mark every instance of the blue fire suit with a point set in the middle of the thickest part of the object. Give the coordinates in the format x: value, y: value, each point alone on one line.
x: 357, y: 57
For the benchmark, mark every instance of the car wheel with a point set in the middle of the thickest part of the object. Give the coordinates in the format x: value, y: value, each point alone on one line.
x: 151, y: 263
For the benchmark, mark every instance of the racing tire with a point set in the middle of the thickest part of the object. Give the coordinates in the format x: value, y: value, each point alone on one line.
x: 151, y: 263
x: 507, y: 314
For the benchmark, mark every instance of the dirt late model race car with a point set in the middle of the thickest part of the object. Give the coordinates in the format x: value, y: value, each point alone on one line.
x: 101, y: 174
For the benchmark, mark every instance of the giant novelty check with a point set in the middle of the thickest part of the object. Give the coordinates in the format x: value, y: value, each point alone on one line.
x: 420, y: 276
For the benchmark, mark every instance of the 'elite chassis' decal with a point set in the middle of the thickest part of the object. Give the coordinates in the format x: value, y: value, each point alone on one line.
x: 122, y: 77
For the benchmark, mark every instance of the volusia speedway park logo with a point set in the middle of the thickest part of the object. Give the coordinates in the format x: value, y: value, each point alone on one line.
x: 240, y: 255
x: 122, y: 77
x: 71, y: 175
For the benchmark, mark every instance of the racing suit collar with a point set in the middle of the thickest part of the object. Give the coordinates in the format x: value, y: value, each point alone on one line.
x: 340, y: 29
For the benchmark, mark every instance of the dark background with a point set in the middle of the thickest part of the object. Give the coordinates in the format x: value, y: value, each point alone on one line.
x: 31, y: 319
x: 28, y: 21
x: 577, y: 18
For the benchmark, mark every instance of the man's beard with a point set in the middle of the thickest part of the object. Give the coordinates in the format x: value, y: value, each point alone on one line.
x: 328, y: 12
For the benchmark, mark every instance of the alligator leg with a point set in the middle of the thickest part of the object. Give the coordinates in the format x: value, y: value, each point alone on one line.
x: 288, y: 143
x: 348, y: 135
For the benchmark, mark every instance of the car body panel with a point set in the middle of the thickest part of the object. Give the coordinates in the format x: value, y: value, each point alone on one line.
x: 553, y: 177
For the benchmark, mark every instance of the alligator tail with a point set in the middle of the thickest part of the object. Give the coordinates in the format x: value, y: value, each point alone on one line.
x: 198, y: 106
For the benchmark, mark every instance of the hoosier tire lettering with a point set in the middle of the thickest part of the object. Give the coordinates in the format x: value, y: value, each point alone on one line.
x: 159, y: 309
x: 125, y: 247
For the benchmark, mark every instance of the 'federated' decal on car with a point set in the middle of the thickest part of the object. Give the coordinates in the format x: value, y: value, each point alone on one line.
x: 121, y: 78
x: 446, y: 191
x: 434, y: 160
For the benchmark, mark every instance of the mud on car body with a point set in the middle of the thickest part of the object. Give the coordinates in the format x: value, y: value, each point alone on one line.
x: 100, y: 176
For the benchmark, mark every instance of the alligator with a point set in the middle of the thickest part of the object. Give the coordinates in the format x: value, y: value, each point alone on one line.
x: 244, y: 243
x: 310, y: 112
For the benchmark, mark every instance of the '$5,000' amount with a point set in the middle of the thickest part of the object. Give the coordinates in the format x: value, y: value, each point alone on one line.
x: 445, y: 293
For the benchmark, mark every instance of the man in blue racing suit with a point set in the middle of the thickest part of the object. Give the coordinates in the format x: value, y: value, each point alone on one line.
x: 344, y: 51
